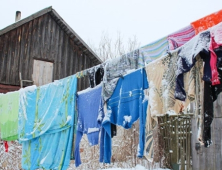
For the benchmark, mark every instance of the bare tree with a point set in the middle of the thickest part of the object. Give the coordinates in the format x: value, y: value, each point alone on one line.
x: 110, y: 47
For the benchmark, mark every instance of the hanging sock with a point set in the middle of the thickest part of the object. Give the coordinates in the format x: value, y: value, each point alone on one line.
x: 6, y: 146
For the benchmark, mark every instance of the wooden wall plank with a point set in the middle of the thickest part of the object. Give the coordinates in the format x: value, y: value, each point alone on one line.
x: 27, y: 65
x: 23, y: 51
x: 53, y: 43
x: 13, y: 73
x: 4, y: 58
x: 71, y: 56
x: 64, y: 56
x: 1, y: 55
x: 59, y: 56
x: 17, y: 55
x: 9, y: 56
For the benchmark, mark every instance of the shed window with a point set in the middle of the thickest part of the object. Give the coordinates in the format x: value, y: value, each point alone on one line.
x: 42, y: 72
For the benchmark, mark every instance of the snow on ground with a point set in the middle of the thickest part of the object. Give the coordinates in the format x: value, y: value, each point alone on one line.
x: 138, y: 167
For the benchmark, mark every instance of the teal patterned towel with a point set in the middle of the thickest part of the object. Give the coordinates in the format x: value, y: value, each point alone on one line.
x: 46, y: 119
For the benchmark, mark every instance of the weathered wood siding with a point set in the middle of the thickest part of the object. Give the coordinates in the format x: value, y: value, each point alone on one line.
x: 209, y: 158
x: 42, y: 38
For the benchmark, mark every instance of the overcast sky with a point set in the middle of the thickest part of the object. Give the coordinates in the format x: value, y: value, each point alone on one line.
x: 148, y: 20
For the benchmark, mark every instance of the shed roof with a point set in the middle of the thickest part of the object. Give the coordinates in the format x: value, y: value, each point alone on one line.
x: 69, y: 31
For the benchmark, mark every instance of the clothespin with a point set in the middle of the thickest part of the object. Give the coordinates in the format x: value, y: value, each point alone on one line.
x: 78, y: 75
x: 120, y: 74
x: 81, y: 74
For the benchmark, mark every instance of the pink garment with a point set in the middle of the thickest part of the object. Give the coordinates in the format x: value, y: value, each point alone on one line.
x: 180, y: 37
x: 216, y: 42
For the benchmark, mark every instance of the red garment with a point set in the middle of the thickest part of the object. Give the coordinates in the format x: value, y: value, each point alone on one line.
x: 207, y: 22
x: 216, y: 42
x: 6, y: 146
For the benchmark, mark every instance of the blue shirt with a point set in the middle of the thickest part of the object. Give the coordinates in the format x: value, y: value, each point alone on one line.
x: 88, y: 103
x: 124, y: 107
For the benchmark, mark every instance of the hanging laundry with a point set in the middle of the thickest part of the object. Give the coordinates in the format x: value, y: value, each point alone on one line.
x: 91, y: 76
x: 199, y: 87
x: 208, y: 114
x: 180, y: 37
x: 152, y: 51
x: 74, y: 131
x: 151, y: 138
x: 88, y: 102
x: 95, y: 75
x: 99, y: 75
x: 215, y: 42
x: 9, y: 109
x: 162, y: 75
x: 100, y: 118
x: 187, y: 59
x: 211, y: 93
x: 46, y: 124
x: 124, y: 107
x: 117, y: 68
x: 207, y: 22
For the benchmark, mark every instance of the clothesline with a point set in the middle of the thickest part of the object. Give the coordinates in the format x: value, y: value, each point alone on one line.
x: 47, y: 112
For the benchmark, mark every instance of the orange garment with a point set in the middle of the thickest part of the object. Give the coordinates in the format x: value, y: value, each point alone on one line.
x: 207, y: 22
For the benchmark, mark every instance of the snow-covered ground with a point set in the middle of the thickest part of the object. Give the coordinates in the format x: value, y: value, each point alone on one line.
x: 138, y: 167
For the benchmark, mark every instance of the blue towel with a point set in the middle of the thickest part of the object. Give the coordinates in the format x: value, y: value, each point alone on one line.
x: 88, y: 102
x: 125, y: 106
x: 46, y: 119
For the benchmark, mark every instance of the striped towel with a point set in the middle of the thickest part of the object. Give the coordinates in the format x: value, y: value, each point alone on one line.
x: 152, y: 51
x: 207, y: 22
x: 180, y: 37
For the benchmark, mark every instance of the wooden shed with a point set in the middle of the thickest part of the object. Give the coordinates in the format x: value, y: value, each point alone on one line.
x: 43, y: 48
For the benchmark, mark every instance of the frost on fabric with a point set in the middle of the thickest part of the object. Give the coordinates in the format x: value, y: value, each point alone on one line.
x: 68, y: 119
x: 216, y: 32
x: 130, y: 71
x: 152, y: 102
x: 146, y: 98
x: 29, y: 88
x: 91, y: 130
x: 130, y: 93
x: 190, y: 50
x: 127, y: 119
x: 23, y: 99
x: 108, y: 115
x: 89, y: 89
x: 101, y: 113
x: 179, y: 95
x: 57, y: 83
x: 166, y: 93
x: 100, y: 117
x: 138, y: 150
x: 164, y: 82
x: 43, y: 160
x: 171, y: 112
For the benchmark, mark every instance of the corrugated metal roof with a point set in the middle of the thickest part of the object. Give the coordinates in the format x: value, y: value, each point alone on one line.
x: 69, y: 31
